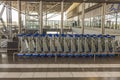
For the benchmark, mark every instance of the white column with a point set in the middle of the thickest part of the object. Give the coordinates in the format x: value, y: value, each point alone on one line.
x: 26, y: 7
x: 103, y: 18
x: 46, y: 19
x: 41, y: 18
x: 62, y: 16
x: 19, y: 16
x: 83, y: 17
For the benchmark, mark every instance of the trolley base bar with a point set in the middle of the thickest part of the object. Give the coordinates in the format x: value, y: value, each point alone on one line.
x: 63, y: 55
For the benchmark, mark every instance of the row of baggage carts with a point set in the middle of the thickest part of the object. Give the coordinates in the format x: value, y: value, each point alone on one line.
x: 67, y: 45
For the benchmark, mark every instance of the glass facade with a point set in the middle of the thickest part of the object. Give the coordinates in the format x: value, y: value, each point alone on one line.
x: 113, y: 21
x: 57, y: 24
x: 112, y: 18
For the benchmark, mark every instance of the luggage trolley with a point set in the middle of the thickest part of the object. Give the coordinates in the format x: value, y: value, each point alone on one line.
x: 23, y: 44
x: 78, y: 45
x: 100, y: 49
x: 85, y: 45
x: 37, y: 45
x: 24, y: 47
x: 51, y: 45
x: 31, y: 45
x: 44, y: 44
x: 94, y: 44
x: 112, y: 46
x: 65, y: 46
x: 58, y: 44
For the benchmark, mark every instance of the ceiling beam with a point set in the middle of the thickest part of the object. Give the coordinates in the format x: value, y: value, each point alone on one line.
x: 93, y: 1
x: 52, y: 7
x: 54, y: 15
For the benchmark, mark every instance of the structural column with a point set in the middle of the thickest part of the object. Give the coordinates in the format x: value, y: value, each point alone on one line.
x: 78, y: 21
x: 19, y: 16
x: 90, y: 19
x: 116, y: 26
x: 62, y: 16
x: 83, y: 17
x: 9, y: 18
x: 90, y: 22
x: 26, y: 15
x: 46, y: 19
x: 41, y: 17
x: 103, y: 18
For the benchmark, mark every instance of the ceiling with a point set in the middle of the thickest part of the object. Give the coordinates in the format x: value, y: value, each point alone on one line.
x: 33, y: 6
x: 51, y: 6
x: 108, y: 1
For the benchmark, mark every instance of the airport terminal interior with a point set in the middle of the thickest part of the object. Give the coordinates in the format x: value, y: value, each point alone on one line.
x: 59, y: 39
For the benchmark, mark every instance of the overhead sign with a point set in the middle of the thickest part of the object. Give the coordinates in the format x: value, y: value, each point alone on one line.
x: 114, y: 8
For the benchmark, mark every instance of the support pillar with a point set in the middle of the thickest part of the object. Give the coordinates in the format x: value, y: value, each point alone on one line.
x: 62, y: 16
x: 116, y: 22
x: 78, y: 21
x: 103, y: 18
x: 90, y: 19
x: 46, y: 19
x: 19, y: 16
x: 41, y: 17
x: 83, y: 17
x: 26, y: 16
x: 9, y: 18
x: 90, y: 23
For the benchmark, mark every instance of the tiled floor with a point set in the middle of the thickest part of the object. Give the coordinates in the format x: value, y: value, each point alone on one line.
x: 103, y: 68
x: 59, y: 66
x: 57, y: 74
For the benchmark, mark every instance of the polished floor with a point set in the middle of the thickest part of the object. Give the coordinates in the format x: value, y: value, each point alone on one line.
x: 82, y: 68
